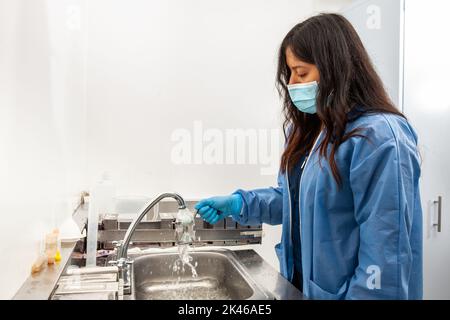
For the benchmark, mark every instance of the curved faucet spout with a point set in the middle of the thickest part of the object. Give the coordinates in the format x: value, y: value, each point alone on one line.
x: 123, y: 249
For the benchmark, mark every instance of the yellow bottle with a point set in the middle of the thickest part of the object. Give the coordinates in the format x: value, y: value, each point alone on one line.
x: 58, y: 245
x: 57, y: 256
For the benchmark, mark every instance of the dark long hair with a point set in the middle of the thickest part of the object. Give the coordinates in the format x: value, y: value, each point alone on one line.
x: 348, y: 83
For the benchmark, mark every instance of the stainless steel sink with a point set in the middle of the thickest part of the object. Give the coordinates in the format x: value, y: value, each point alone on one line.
x: 220, y: 277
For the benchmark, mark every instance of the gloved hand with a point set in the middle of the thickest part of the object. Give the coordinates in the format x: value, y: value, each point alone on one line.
x: 214, y: 209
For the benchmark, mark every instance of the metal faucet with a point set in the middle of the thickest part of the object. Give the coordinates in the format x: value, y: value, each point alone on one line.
x: 123, y: 263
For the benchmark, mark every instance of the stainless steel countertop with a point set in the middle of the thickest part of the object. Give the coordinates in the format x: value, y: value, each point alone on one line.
x: 40, y: 286
x: 267, y: 276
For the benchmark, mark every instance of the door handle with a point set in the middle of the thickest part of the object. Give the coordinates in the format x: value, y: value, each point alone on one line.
x: 439, y: 222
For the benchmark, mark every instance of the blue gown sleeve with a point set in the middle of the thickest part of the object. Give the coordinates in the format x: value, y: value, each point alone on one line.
x: 261, y: 205
x: 382, y: 178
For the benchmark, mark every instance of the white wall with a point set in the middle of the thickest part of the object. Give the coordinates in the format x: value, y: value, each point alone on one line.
x: 156, y: 67
x: 143, y: 69
x: 42, y: 130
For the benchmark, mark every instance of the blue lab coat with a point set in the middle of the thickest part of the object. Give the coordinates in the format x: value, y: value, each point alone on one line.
x: 362, y: 240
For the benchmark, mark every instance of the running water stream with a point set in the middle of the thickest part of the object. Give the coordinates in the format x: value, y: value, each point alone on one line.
x: 183, y: 287
x: 185, y: 235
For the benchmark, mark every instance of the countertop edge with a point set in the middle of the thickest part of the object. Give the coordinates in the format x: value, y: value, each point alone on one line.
x: 40, y: 286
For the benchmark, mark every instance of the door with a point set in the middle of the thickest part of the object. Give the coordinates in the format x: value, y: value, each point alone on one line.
x: 427, y: 105
x: 405, y: 41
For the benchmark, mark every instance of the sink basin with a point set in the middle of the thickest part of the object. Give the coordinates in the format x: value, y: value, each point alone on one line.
x: 220, y: 277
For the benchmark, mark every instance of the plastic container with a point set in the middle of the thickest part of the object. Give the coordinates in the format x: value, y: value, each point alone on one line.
x: 103, y: 194
x: 51, y: 247
x: 58, y: 245
x: 41, y: 258
x: 39, y: 264
x: 101, y: 202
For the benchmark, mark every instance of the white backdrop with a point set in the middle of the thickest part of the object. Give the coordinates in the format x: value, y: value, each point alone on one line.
x: 89, y: 86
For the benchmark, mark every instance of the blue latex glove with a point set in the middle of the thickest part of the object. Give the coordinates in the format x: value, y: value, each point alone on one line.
x: 214, y: 209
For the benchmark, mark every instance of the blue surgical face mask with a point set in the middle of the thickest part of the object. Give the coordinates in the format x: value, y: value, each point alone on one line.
x: 303, y: 95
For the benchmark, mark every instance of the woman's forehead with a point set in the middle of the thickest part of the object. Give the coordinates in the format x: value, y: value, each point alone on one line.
x: 293, y: 61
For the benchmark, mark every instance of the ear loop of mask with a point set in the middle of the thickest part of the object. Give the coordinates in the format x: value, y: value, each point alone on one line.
x: 330, y: 99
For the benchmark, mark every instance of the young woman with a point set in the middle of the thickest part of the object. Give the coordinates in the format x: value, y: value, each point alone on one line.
x: 348, y: 193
